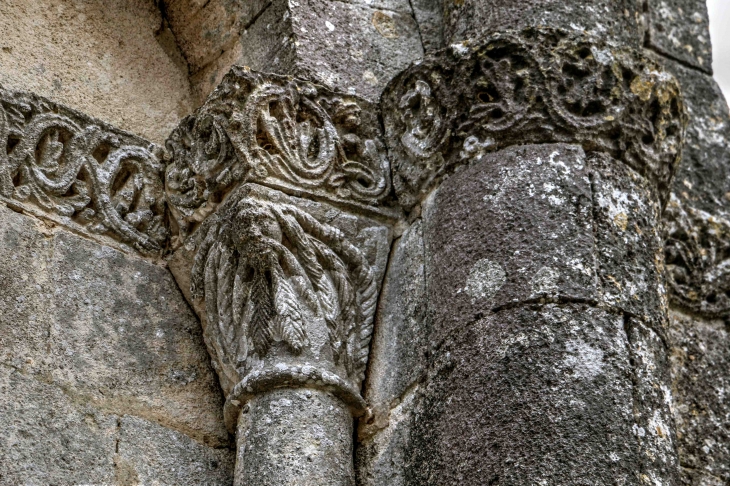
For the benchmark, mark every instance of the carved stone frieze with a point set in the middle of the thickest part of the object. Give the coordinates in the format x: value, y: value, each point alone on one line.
x: 279, y: 132
x: 697, y: 249
x: 81, y: 173
x: 536, y: 86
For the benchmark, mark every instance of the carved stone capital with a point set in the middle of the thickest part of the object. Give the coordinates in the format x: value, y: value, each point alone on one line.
x: 284, y: 133
x: 61, y: 165
x: 534, y: 86
x: 277, y: 187
x: 697, y: 249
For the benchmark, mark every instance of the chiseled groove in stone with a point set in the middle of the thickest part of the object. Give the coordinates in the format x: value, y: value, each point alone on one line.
x: 79, y: 172
x: 535, y: 86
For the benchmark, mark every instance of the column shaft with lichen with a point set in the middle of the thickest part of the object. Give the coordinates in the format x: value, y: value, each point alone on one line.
x: 537, y: 165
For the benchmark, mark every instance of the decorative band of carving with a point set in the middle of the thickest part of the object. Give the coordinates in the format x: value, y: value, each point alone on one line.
x: 284, y: 376
x: 80, y: 172
x: 697, y: 249
x: 536, y: 86
x: 280, y: 132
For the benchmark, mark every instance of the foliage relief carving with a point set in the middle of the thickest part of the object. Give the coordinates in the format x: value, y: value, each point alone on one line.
x: 536, y: 86
x: 267, y: 270
x: 279, y: 132
x: 97, y: 179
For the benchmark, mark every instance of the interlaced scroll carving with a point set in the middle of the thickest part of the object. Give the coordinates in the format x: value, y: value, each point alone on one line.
x: 81, y: 172
x: 279, y: 132
x: 536, y: 86
x: 697, y: 248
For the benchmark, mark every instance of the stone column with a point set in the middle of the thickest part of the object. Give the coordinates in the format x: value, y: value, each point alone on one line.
x: 281, y: 219
x: 536, y: 166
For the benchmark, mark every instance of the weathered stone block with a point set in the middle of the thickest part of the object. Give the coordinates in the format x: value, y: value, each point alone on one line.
x: 537, y: 394
x: 525, y: 233
x: 148, y: 454
x: 680, y: 29
x: 25, y: 261
x: 116, y: 61
x: 382, y: 445
x: 615, y: 20
x: 655, y: 428
x: 112, y: 330
x: 700, y: 358
x: 311, y: 38
x: 400, y: 340
x: 48, y: 437
x: 629, y: 249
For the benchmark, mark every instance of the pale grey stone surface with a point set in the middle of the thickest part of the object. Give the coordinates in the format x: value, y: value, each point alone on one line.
x: 49, y: 437
x: 107, y: 333
x: 149, y: 454
x: 295, y: 437
x: 353, y: 46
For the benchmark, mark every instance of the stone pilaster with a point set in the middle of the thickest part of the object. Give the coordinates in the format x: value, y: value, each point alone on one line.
x: 538, y: 164
x: 279, y: 194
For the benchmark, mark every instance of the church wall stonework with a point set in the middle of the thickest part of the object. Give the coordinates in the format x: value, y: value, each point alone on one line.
x: 116, y: 61
x: 396, y: 243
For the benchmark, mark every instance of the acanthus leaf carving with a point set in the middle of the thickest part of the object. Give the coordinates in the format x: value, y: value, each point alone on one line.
x: 278, y: 285
x: 75, y: 170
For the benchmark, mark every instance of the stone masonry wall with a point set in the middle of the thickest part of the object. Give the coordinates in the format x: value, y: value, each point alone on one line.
x: 115, y: 60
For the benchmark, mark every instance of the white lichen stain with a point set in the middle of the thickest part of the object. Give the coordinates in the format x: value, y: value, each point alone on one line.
x: 545, y: 280
x: 585, y: 360
x: 485, y: 279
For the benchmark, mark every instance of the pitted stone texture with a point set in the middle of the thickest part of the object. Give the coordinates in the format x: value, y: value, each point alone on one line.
x: 540, y: 85
x: 514, y: 227
x: 400, y: 341
x: 293, y: 437
x: 48, y: 437
x: 703, y: 176
x: 614, y: 20
x: 700, y: 358
x: 148, y: 454
x: 680, y: 30
x: 629, y: 250
x: 355, y: 46
x: 529, y: 395
x: 113, y: 60
x: 381, y: 451
x: 698, y: 215
x: 654, y: 403
x: 429, y: 15
x: 112, y: 330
